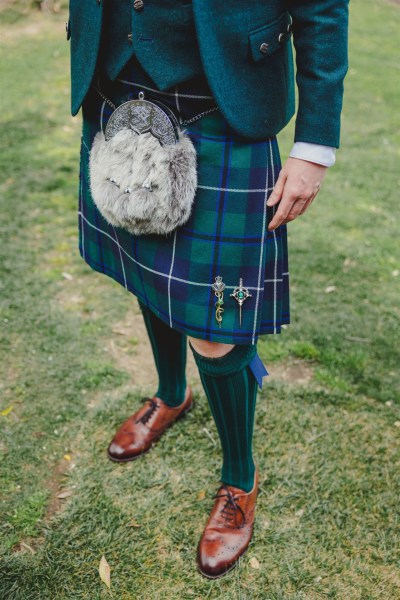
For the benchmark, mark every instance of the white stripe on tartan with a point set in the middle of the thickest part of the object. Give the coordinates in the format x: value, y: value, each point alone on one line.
x: 120, y: 255
x: 178, y: 110
x: 81, y: 201
x: 261, y: 254
x: 275, y: 242
x: 182, y: 95
x: 198, y: 283
x: 275, y: 280
x: 240, y: 191
x: 101, y: 115
x: 169, y: 280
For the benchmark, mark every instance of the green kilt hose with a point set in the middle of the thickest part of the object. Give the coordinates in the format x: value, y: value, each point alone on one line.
x: 225, y: 236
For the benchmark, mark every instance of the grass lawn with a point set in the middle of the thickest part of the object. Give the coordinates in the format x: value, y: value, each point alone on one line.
x: 74, y: 363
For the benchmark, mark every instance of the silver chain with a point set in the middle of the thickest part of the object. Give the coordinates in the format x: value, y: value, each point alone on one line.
x: 106, y: 99
x: 205, y: 112
x: 195, y: 118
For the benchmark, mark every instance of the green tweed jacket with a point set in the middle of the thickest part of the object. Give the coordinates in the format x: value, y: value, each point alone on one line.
x: 245, y: 50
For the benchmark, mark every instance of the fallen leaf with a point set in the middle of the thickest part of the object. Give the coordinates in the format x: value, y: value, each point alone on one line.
x: 300, y: 512
x: 67, y: 276
x: 65, y: 494
x: 133, y: 524
x: 67, y: 456
x: 104, y: 571
x: 6, y: 411
x: 201, y: 495
x: 254, y: 563
x: 330, y: 288
x: 119, y: 331
x: 395, y: 273
x: 397, y: 423
x: 27, y: 547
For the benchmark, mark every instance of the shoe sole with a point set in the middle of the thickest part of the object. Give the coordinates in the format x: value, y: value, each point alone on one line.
x: 129, y: 459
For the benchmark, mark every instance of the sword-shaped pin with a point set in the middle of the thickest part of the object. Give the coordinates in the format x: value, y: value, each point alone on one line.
x: 240, y: 294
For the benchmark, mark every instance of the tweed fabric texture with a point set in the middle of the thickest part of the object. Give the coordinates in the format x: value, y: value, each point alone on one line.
x: 225, y: 236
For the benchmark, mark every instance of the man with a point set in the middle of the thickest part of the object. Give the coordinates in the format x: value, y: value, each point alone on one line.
x: 243, y: 52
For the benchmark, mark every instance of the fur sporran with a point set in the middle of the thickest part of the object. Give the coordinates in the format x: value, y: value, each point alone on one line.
x: 143, y: 171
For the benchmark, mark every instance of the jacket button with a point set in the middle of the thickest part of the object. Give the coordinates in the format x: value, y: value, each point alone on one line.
x: 138, y: 4
x: 281, y: 37
x: 289, y: 28
x: 264, y: 47
x: 130, y: 38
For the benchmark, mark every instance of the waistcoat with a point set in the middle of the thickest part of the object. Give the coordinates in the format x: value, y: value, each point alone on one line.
x: 155, y: 46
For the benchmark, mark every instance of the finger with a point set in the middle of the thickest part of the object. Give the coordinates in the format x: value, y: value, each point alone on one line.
x: 276, y: 193
x: 307, y: 204
x: 297, y: 209
x: 284, y: 208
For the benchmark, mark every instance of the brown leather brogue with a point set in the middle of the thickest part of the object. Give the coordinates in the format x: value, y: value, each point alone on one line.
x: 142, y: 429
x: 228, y: 531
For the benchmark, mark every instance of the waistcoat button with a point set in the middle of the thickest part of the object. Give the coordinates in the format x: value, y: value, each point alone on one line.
x: 264, y: 47
x: 138, y: 4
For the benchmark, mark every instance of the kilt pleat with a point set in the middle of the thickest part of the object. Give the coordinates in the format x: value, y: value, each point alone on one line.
x: 225, y: 236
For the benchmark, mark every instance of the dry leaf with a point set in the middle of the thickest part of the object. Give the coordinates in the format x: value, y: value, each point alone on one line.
x: 65, y: 494
x: 397, y: 423
x: 6, y: 411
x: 27, y: 547
x: 201, y: 495
x: 67, y: 456
x: 330, y: 288
x: 119, y: 331
x: 67, y: 276
x: 133, y: 524
x: 254, y: 563
x: 104, y: 571
x: 300, y: 512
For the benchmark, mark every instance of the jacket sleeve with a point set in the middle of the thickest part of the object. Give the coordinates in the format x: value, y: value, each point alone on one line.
x: 320, y: 38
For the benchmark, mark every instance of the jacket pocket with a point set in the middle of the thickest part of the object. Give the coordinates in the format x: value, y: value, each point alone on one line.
x: 268, y: 38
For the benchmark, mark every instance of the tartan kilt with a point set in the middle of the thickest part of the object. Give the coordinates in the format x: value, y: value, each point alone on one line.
x: 225, y: 236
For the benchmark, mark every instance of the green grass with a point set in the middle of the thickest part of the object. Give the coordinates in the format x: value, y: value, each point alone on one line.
x: 327, y: 522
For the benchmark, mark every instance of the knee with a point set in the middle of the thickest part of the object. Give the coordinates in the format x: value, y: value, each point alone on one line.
x: 210, y: 349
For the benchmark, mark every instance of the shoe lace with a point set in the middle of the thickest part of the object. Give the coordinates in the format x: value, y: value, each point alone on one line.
x: 146, y: 416
x: 231, y: 507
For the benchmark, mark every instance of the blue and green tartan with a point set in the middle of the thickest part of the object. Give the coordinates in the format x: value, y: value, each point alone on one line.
x: 226, y: 234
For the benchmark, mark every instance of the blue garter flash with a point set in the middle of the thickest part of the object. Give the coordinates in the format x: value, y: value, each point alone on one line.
x: 258, y: 369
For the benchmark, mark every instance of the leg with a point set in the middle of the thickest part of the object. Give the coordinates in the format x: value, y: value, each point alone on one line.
x: 171, y: 402
x: 231, y: 390
x: 169, y: 351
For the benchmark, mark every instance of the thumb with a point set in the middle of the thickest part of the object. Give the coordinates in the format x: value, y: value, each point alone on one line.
x: 278, y: 189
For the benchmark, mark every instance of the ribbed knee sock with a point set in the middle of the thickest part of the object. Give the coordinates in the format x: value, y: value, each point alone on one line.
x: 231, y: 390
x: 169, y: 350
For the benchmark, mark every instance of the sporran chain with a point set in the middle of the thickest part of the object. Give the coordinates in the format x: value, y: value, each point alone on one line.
x: 185, y: 122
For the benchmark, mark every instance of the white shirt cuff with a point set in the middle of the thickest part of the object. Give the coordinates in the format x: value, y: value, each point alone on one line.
x: 323, y: 155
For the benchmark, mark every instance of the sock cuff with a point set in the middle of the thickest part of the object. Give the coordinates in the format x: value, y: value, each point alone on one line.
x: 235, y: 360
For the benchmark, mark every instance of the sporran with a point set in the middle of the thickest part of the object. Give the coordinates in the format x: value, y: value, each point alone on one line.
x: 143, y: 169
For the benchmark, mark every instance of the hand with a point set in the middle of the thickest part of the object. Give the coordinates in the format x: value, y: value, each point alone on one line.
x: 298, y: 183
